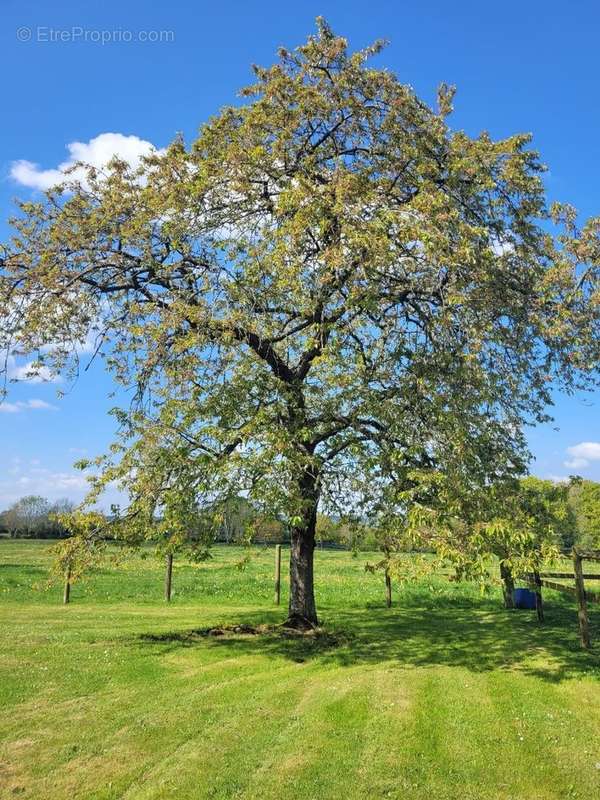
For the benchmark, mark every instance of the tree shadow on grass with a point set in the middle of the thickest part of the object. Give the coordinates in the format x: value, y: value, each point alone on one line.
x: 478, y: 638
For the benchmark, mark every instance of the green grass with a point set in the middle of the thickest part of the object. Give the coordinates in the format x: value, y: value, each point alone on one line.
x: 446, y: 695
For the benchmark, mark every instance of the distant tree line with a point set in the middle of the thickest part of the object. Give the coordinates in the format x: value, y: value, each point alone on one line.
x: 574, y: 507
x: 240, y: 521
x: 35, y: 517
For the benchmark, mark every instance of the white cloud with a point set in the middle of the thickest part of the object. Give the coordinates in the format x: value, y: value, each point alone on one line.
x: 582, y: 454
x: 41, y: 404
x: 97, y: 153
x: 44, y: 482
x: 23, y: 405
x: 90, y: 343
x: 29, y: 373
x: 33, y: 372
x: 501, y: 248
x: 589, y: 450
x: 576, y: 463
x: 54, y: 484
x: 9, y: 408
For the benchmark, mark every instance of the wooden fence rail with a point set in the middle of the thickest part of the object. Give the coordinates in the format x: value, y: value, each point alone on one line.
x: 578, y: 590
x: 588, y: 576
x: 558, y: 587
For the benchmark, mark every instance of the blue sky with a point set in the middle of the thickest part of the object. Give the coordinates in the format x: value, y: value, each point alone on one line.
x: 518, y: 67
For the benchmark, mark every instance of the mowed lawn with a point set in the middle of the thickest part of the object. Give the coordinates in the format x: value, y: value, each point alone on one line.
x: 446, y: 695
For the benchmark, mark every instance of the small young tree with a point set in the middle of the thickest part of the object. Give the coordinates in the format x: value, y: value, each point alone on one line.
x: 80, y: 551
x: 519, y: 524
x: 529, y: 527
x: 329, y: 289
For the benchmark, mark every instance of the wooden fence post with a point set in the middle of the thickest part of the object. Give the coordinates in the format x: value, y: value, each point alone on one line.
x: 277, y: 574
x: 67, y: 590
x: 388, y: 589
x: 584, y: 624
x: 169, y: 577
x: 508, y: 585
x: 539, y: 603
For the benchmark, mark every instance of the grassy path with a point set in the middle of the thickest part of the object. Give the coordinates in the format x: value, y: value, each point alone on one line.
x: 444, y: 696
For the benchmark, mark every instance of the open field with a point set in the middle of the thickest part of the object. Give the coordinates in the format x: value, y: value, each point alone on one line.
x: 444, y: 696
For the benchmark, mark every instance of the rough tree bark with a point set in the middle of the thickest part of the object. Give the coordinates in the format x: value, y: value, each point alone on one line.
x: 508, y: 585
x: 302, y: 612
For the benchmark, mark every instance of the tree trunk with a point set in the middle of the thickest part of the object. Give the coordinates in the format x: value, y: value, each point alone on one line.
x: 277, y: 574
x: 508, y: 585
x: 388, y: 577
x: 388, y: 589
x: 168, y: 577
x: 302, y: 613
x: 67, y: 588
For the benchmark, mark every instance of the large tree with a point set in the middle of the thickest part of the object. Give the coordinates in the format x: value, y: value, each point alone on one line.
x: 327, y: 294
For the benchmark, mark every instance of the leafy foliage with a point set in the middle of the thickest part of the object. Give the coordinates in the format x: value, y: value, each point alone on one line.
x: 524, y: 525
x: 82, y: 550
x: 584, y: 502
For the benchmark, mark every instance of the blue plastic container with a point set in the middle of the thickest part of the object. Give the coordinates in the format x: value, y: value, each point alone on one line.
x: 524, y: 598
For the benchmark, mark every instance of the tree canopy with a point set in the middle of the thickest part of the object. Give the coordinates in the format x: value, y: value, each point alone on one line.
x: 584, y: 502
x: 328, y: 296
